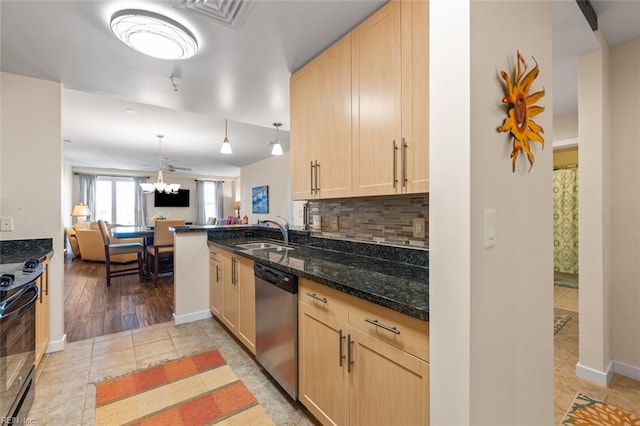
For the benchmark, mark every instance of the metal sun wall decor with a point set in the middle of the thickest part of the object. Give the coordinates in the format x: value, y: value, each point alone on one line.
x: 521, y: 109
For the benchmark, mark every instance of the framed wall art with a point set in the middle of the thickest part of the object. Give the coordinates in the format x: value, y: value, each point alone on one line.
x: 260, y: 199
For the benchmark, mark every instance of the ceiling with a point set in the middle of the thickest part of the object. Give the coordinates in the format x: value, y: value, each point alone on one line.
x: 240, y: 74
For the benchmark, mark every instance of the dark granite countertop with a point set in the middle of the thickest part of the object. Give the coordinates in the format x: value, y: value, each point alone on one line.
x: 18, y: 251
x: 402, y: 287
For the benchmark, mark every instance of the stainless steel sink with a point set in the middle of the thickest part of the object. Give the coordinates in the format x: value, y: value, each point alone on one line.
x: 263, y: 246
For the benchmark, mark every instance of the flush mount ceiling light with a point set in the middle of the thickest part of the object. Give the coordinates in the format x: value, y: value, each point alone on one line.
x: 226, y: 145
x: 153, y: 34
x: 159, y: 185
x: 277, y: 148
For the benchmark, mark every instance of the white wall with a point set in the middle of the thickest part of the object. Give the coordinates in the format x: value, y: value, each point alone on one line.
x: 594, y: 209
x: 31, y: 170
x: 275, y: 172
x: 565, y: 131
x: 491, y: 309
x: 625, y: 212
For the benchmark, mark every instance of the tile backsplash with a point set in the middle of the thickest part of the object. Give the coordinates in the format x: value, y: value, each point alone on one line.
x: 385, y: 219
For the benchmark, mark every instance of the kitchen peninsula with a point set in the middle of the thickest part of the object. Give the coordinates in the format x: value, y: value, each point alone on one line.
x: 390, y: 276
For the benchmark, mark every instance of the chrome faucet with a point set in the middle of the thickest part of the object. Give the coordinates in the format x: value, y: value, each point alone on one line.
x: 283, y: 228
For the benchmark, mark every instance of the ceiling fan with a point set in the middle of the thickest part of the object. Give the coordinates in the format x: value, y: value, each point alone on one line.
x: 163, y: 162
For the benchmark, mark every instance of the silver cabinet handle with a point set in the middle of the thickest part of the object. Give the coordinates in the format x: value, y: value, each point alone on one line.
x: 317, y: 186
x: 340, y: 339
x: 233, y: 271
x: 350, y: 362
x: 403, y: 154
x: 394, y: 181
x: 315, y: 296
x: 217, y: 274
x: 311, y: 180
x: 381, y: 325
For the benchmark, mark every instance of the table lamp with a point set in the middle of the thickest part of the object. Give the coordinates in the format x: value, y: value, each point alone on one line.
x: 236, y: 205
x: 81, y: 211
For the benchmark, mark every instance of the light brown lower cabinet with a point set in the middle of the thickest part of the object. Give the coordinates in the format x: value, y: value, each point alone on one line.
x: 232, y: 294
x: 359, y: 363
x: 42, y: 313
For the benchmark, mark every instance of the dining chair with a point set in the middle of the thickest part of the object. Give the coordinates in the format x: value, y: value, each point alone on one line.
x: 161, y: 252
x: 121, y: 248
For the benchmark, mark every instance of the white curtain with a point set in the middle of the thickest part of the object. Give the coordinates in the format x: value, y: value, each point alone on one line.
x: 219, y: 198
x: 200, y: 199
x: 87, y: 191
x: 140, y: 202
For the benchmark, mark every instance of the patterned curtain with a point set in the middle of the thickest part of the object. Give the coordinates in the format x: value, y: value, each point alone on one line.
x: 565, y: 220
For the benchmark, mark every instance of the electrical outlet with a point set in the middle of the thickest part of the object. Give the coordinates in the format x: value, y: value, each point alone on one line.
x: 333, y: 223
x: 316, y: 221
x: 418, y: 227
x: 6, y: 224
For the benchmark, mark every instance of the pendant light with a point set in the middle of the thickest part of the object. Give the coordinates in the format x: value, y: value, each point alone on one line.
x: 226, y: 145
x: 159, y: 185
x: 277, y: 148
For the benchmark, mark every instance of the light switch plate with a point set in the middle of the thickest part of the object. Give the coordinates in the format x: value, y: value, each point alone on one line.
x: 490, y: 238
x: 418, y: 227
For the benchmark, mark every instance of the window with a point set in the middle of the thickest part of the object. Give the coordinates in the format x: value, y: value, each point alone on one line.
x: 210, y: 205
x: 115, y: 200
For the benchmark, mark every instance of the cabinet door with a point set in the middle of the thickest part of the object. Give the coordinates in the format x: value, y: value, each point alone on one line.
x: 229, y: 292
x: 215, y: 286
x: 388, y: 386
x: 415, y: 97
x: 376, y: 102
x: 42, y: 314
x: 323, y: 382
x: 246, y: 303
x: 334, y: 169
x: 305, y: 118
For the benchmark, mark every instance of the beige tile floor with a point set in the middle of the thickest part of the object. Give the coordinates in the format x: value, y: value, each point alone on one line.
x: 622, y: 392
x: 66, y: 380
x: 65, y: 385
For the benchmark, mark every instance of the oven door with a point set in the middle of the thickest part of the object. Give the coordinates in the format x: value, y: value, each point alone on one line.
x: 17, y: 351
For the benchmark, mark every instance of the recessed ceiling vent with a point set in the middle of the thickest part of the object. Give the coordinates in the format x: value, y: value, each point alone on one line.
x: 231, y: 13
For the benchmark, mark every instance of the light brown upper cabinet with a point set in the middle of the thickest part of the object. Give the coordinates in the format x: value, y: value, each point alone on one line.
x: 360, y: 110
x: 321, y: 125
x: 390, y: 100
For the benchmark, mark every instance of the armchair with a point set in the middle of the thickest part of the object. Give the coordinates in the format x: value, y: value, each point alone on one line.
x: 91, y: 245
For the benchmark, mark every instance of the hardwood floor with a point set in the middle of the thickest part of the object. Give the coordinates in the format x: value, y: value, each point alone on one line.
x: 92, y: 309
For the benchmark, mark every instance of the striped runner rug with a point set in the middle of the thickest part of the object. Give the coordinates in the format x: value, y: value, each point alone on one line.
x: 198, y: 390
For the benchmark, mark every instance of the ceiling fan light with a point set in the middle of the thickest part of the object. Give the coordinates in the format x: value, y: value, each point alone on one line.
x: 153, y: 34
x: 277, y: 149
x: 159, y: 185
x: 147, y: 188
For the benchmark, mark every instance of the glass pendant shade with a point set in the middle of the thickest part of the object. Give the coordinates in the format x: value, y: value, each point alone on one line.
x: 277, y: 147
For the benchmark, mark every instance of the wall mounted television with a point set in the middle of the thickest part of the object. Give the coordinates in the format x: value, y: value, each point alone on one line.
x: 181, y: 199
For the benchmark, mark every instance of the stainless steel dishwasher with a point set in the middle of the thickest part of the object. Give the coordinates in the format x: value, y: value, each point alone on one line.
x: 277, y: 325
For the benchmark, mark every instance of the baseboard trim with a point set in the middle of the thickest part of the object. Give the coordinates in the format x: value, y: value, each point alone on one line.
x: 626, y: 370
x: 193, y: 316
x: 602, y: 378
x: 57, y: 345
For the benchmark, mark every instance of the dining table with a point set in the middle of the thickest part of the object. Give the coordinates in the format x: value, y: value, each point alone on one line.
x: 144, y: 232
